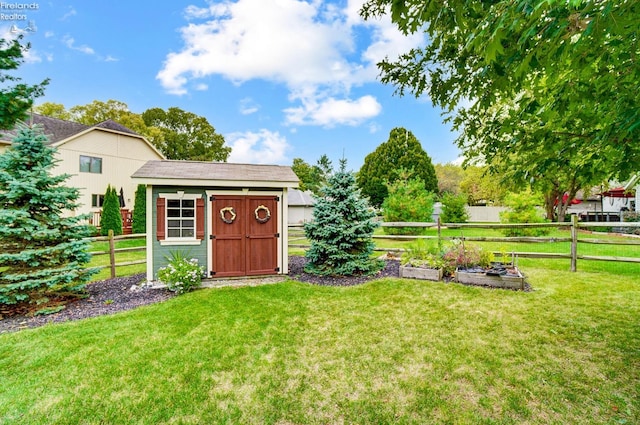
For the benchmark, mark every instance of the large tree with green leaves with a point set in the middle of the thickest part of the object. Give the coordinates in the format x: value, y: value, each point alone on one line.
x: 515, y: 77
x: 15, y: 97
x: 482, y: 188
x: 187, y: 135
x: 402, y: 152
x: 98, y: 111
x: 407, y: 201
x: 449, y: 177
x: 341, y: 230
x: 42, y: 250
x: 313, y: 177
x: 53, y: 110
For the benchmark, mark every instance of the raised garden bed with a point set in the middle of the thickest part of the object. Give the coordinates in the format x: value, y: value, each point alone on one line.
x: 420, y: 273
x: 498, y: 276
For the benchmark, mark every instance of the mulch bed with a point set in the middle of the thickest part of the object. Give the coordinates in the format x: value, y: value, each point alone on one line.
x: 103, y: 297
x: 296, y: 272
x: 125, y: 293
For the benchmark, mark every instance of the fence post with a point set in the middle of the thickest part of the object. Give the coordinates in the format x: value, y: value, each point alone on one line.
x: 112, y: 254
x: 439, y: 234
x: 574, y: 242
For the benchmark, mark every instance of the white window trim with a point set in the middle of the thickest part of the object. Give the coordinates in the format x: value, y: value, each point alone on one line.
x: 180, y: 241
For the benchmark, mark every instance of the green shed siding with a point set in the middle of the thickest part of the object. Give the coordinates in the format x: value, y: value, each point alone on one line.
x: 161, y: 253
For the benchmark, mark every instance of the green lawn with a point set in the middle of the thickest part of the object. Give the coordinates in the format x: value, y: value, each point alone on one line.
x: 390, y: 351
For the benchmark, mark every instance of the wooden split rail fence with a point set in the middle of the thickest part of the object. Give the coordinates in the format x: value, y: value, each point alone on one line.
x: 574, y: 227
x: 573, y: 255
x: 111, y: 252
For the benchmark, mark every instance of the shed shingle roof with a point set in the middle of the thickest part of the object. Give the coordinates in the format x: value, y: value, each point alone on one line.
x: 216, y: 171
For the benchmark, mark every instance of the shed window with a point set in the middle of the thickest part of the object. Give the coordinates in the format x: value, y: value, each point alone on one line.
x: 90, y: 164
x: 180, y: 217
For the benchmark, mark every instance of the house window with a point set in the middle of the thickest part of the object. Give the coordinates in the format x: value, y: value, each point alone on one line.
x: 90, y: 164
x: 181, y: 214
x: 97, y: 200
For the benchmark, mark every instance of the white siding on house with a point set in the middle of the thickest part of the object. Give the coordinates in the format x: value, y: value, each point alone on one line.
x: 121, y: 156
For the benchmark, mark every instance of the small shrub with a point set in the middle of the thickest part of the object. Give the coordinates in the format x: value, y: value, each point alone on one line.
x: 461, y: 255
x: 454, y: 208
x: 182, y: 274
x: 408, y: 201
x: 422, y: 254
x: 522, y: 208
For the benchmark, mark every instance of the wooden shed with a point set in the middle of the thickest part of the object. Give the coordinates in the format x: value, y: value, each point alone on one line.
x: 231, y: 217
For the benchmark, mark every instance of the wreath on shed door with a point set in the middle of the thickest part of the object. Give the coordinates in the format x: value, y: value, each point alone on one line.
x: 232, y: 214
x: 267, y: 214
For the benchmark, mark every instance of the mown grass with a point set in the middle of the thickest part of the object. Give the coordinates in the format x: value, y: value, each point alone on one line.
x: 390, y: 351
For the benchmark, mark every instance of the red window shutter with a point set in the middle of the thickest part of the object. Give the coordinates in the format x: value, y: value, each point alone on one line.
x: 160, y: 218
x: 200, y: 218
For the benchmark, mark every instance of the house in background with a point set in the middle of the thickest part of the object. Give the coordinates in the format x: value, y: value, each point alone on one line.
x: 94, y: 156
x: 634, y: 182
x: 300, y: 206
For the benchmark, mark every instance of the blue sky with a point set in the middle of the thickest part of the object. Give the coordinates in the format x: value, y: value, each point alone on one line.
x: 279, y: 79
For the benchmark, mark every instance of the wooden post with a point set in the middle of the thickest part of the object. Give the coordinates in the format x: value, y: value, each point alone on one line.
x: 439, y: 234
x: 112, y: 254
x: 574, y: 242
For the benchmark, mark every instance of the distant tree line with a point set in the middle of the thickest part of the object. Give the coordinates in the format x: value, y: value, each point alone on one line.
x: 176, y: 133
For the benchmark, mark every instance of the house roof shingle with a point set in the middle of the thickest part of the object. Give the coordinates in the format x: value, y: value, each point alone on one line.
x: 300, y: 198
x: 57, y: 130
x: 215, y: 171
x: 112, y: 125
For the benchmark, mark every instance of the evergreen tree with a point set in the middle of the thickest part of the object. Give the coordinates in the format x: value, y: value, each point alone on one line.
x: 139, y: 224
x: 110, y: 217
x: 341, y: 230
x: 382, y: 166
x: 41, y: 250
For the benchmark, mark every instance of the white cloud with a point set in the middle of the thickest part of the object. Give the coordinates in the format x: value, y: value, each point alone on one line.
x: 263, y: 147
x: 70, y: 12
x: 248, y: 106
x: 277, y: 40
x: 31, y: 56
x: 309, y: 46
x: 70, y: 42
x: 328, y: 112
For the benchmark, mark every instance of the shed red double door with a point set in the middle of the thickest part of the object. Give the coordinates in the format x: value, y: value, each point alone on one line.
x: 244, y: 235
